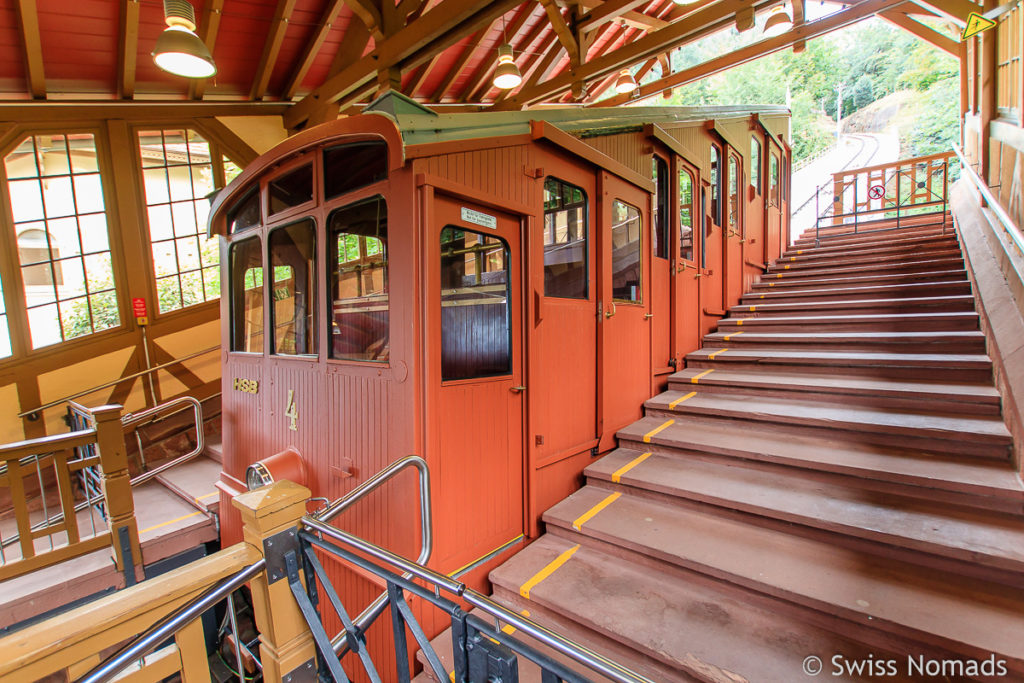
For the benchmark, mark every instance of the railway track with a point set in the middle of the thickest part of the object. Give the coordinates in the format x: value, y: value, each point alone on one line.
x: 869, y: 145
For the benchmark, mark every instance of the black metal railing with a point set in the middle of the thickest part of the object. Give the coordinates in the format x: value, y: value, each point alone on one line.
x: 483, y: 649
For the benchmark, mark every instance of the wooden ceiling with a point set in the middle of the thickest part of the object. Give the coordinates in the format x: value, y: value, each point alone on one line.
x: 323, y: 57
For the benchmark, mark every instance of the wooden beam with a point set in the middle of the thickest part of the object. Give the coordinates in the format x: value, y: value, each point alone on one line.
x: 648, y: 46
x: 957, y: 10
x: 66, y: 112
x: 28, y: 22
x: 607, y: 11
x: 485, y: 69
x: 562, y: 30
x: 353, y: 45
x: 456, y: 68
x: 312, y: 48
x: 798, y: 20
x: 278, y: 27
x: 439, y: 28
x: 128, y: 49
x: 208, y: 32
x: 925, y: 33
x: 421, y: 76
x: 370, y: 15
x: 631, y: 17
x: 753, y: 51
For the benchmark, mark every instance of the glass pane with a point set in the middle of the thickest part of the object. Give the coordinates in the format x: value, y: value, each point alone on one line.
x: 39, y: 283
x: 155, y: 180
x: 209, y: 251
x: 179, y: 179
x: 716, y: 190
x: 168, y: 293
x: 44, y: 325
x: 160, y: 226
x: 183, y: 215
x: 26, y: 200
x: 104, y: 310
x: 246, y: 213
x: 626, y: 252
x: 231, y: 170
x: 247, y: 296
x: 21, y: 163
x: 566, y: 235
x: 202, y: 180
x: 89, y: 193
x: 685, y: 215
x: 773, y: 180
x: 661, y: 213
x: 475, y: 305
x: 71, y: 278
x: 93, y: 230
x: 192, y: 288
x: 734, y: 191
x: 188, y: 253
x: 291, y: 189
x: 349, y: 167
x: 164, y: 259
x: 64, y: 239
x: 98, y: 273
x: 755, y: 165
x: 211, y: 282
x: 75, y: 319
x: 151, y: 148
x: 53, y: 155
x: 5, y: 337
x: 293, y: 312
x: 359, y: 281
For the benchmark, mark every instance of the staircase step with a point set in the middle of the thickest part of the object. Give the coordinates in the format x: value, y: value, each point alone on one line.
x: 880, y: 268
x: 839, y: 505
x: 890, y: 291
x: 845, y: 236
x: 873, y: 322
x: 934, y: 341
x: 934, y: 607
x: 968, y: 435
x: 953, y: 367
x: 973, y: 398
x: 907, y: 245
x: 846, y: 263
x: 938, y: 304
x: 790, y: 279
x: 696, y: 630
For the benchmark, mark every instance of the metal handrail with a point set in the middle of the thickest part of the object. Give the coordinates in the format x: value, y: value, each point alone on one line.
x: 171, y: 624
x: 575, y: 651
x: 85, y: 392
x: 993, y: 203
x: 376, y: 608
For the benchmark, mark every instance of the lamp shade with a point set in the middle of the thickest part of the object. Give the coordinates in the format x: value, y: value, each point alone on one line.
x: 625, y: 83
x: 778, y: 22
x: 181, y: 52
x: 685, y: 2
x: 506, y: 75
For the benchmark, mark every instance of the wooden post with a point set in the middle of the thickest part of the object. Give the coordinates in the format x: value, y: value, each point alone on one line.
x: 987, y: 98
x: 286, y: 644
x: 117, y: 487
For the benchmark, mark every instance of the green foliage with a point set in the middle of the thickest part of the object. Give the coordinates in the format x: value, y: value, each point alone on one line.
x: 937, y: 123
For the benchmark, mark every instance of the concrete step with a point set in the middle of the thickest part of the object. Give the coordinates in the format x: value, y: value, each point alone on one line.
x: 862, y: 321
x: 980, y: 436
x: 935, y: 608
x: 946, y: 397
x: 888, y: 291
x: 915, y: 264
x: 938, y: 304
x: 867, y: 262
x: 823, y: 279
x: 905, y: 245
x: 898, y: 342
x: 980, y: 542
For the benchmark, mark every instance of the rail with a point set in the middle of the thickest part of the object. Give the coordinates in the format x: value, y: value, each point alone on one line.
x: 866, y: 197
x: 375, y: 608
x: 481, y: 650
x: 1012, y: 229
x: 33, y: 413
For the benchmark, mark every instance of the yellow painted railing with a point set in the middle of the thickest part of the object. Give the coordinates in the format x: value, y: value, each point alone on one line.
x: 50, y: 464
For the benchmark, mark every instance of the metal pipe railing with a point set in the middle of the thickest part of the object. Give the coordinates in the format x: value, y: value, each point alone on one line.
x: 170, y: 625
x: 170, y: 407
x: 85, y: 392
x: 575, y: 651
x: 1012, y: 229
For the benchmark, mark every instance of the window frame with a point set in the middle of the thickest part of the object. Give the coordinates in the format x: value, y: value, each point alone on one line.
x: 588, y: 233
x: 259, y: 237
x: 716, y: 162
x: 682, y: 168
x: 639, y: 301
x: 755, y: 165
x: 661, y: 220
x: 270, y: 323
x: 734, y: 165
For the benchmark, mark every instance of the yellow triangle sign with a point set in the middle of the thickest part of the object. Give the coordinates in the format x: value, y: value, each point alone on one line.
x: 975, y: 25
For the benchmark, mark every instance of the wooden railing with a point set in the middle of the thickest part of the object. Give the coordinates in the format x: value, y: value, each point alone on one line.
x: 894, y: 190
x: 50, y: 464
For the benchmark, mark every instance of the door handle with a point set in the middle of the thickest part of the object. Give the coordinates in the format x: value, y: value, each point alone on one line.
x: 516, y: 390
x: 648, y: 316
x: 608, y: 314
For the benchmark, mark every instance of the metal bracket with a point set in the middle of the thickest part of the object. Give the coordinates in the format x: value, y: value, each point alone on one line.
x: 275, y: 548
x: 125, y: 539
x: 304, y: 673
x: 491, y: 661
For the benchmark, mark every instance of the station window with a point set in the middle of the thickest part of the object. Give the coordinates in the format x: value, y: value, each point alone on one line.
x: 755, y: 164
x: 358, y: 249
x: 685, y: 215
x: 349, y: 167
x: 246, y: 271
x: 291, y: 189
x: 60, y: 219
x: 5, y: 331
x: 734, y: 192
x: 566, y: 236
x: 178, y: 173
x: 475, y: 305
x: 716, y: 184
x: 626, y: 252
x: 661, y: 213
x: 773, y: 180
x: 292, y: 250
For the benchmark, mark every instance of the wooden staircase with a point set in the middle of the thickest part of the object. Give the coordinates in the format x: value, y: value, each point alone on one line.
x: 830, y: 475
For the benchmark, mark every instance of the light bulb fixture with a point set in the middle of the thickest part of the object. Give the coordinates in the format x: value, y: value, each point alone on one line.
x: 179, y: 50
x: 685, y: 2
x: 625, y: 83
x: 779, y: 21
x: 506, y: 75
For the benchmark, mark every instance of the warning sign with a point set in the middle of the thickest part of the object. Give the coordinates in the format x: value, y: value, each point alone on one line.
x: 876, y: 191
x: 139, y: 311
x: 975, y: 25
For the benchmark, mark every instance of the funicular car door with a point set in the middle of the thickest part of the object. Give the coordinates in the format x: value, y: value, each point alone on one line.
x: 756, y: 218
x: 774, y: 198
x: 735, y: 235
x: 712, y: 287
x: 661, y: 257
x: 686, y: 276
x: 624, y: 349
x: 474, y: 301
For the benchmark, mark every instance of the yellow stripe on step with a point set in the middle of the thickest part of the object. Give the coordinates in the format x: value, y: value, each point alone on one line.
x: 740, y: 321
x: 732, y: 334
x: 799, y: 251
x: 711, y: 356
x: 589, y: 514
x: 617, y: 474
x: 786, y: 268
x: 547, y: 571
x: 674, y: 403
x: 696, y: 378
x: 666, y: 424
x: 753, y: 308
x: 780, y: 274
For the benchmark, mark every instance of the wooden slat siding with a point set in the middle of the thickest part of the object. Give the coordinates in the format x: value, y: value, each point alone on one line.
x: 476, y: 336
x: 626, y: 148
x: 694, y: 140
x: 496, y: 171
